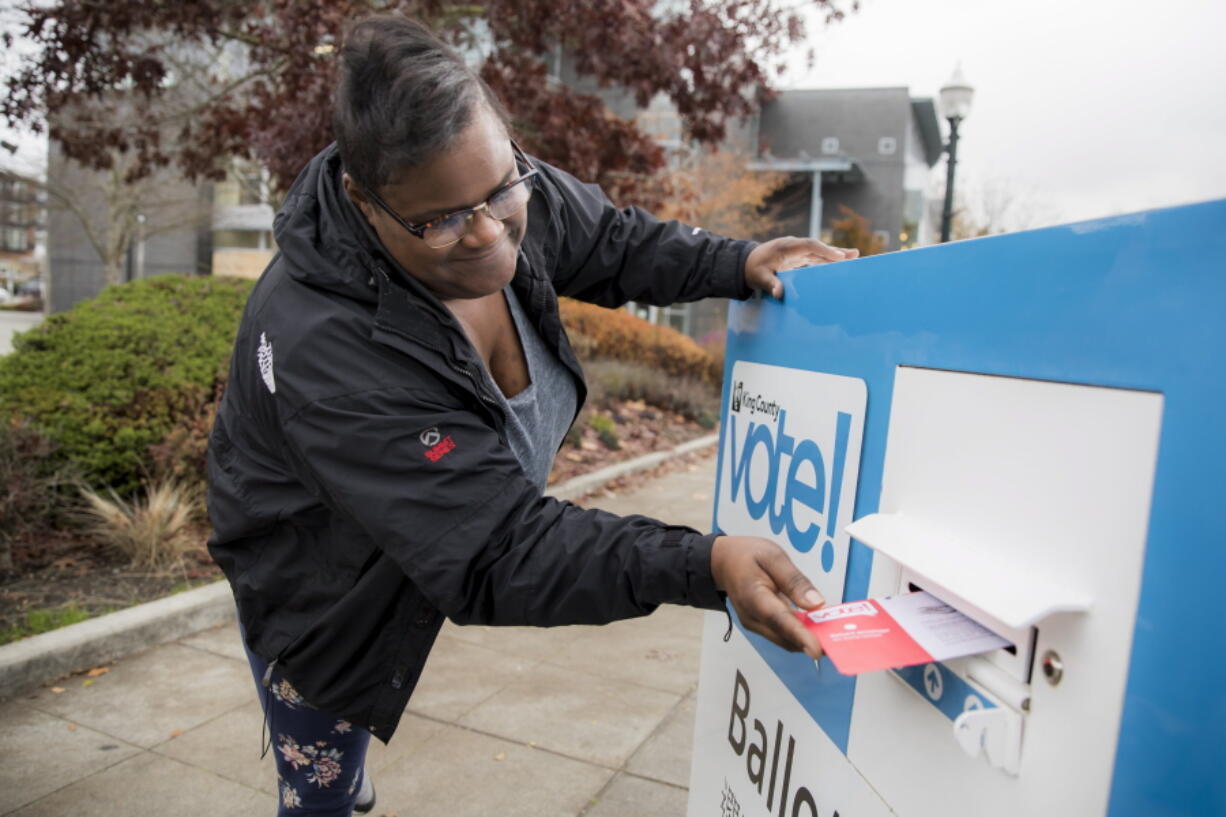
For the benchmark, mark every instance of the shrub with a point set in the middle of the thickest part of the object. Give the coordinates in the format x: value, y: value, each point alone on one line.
x: 114, y: 375
x: 182, y: 454
x: 596, y: 332
x: 715, y: 344
x: 152, y: 533
x: 32, y: 495
x: 606, y: 431
x: 693, y: 399
x: 855, y: 231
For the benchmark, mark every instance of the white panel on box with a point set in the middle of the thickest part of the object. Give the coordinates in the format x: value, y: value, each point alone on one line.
x: 1024, y: 503
x: 789, y: 464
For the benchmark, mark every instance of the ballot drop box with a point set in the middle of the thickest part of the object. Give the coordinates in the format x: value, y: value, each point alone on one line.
x: 1031, y: 428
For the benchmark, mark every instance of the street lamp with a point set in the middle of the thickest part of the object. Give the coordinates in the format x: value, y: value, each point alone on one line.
x: 955, y: 105
x: 140, y: 245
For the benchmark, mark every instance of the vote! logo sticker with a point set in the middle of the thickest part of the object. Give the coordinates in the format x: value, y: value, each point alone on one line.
x: 789, y: 463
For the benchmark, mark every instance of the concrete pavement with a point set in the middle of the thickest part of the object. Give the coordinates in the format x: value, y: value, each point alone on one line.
x: 592, y: 721
x: 11, y: 322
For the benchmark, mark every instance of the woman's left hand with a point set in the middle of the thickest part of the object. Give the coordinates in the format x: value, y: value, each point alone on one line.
x: 781, y: 254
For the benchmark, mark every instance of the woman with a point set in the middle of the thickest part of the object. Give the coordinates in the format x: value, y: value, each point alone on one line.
x: 400, y: 384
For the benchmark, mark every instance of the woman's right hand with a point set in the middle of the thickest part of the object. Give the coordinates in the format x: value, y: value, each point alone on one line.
x: 763, y: 584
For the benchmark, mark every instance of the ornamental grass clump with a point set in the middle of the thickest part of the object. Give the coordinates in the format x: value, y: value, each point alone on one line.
x: 152, y: 533
x: 694, y: 399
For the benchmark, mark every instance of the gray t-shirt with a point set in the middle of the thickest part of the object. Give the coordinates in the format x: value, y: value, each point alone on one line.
x: 537, y: 417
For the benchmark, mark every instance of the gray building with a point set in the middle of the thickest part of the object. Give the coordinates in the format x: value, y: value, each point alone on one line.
x: 869, y: 149
x: 168, y: 223
x: 86, y: 208
x: 21, y: 218
x: 222, y: 228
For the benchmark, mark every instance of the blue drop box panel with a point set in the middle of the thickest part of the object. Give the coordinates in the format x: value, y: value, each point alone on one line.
x: 1133, y: 302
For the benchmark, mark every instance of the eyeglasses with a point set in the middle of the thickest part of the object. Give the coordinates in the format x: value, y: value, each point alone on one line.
x: 449, y: 228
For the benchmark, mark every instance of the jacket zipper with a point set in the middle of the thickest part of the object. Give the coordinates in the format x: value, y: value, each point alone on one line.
x: 467, y: 371
x: 464, y: 370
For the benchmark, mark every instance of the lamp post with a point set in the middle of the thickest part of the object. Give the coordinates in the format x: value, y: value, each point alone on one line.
x: 955, y: 105
x: 140, y: 245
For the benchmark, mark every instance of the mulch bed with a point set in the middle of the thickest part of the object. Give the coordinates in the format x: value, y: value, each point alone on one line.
x: 69, y: 568
x: 640, y: 429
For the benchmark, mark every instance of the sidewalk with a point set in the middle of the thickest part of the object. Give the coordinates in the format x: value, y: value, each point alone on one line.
x: 11, y: 322
x: 593, y: 721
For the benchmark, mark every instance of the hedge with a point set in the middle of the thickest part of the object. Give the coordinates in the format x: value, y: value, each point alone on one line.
x: 109, y: 378
x: 615, y: 334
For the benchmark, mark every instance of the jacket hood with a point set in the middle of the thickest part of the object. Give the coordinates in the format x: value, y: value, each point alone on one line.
x: 326, y: 243
x: 324, y: 236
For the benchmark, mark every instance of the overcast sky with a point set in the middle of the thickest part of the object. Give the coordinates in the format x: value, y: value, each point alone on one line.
x: 1083, y: 108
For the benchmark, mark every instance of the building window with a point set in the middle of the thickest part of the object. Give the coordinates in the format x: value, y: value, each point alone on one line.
x: 252, y: 186
x: 830, y: 144
x: 243, y: 239
x: 553, y: 63
x: 886, y: 145
x: 15, y: 239
x: 677, y: 316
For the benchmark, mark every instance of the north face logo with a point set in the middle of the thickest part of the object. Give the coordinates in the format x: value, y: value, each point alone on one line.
x: 430, y: 437
x: 263, y: 358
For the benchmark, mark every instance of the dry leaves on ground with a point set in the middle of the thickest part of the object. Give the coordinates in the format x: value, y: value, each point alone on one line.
x: 639, y: 429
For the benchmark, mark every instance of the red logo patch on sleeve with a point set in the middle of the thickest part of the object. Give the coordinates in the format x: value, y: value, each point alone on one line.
x: 442, y: 449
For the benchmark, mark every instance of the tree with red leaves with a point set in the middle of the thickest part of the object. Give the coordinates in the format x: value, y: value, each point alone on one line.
x: 202, y: 82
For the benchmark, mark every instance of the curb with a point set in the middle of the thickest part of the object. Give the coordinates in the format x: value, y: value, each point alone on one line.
x: 587, y: 483
x: 31, y: 661
x: 27, y: 663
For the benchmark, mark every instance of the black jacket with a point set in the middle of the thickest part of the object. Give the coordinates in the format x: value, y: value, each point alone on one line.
x: 361, y: 488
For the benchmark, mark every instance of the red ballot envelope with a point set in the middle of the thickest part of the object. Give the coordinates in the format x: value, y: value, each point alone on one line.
x: 896, y: 631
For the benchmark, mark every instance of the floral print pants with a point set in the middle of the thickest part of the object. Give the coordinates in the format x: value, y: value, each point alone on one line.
x: 320, y: 757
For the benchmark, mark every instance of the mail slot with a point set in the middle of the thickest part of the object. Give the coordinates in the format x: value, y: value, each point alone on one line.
x: 1016, y: 660
x: 969, y: 460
